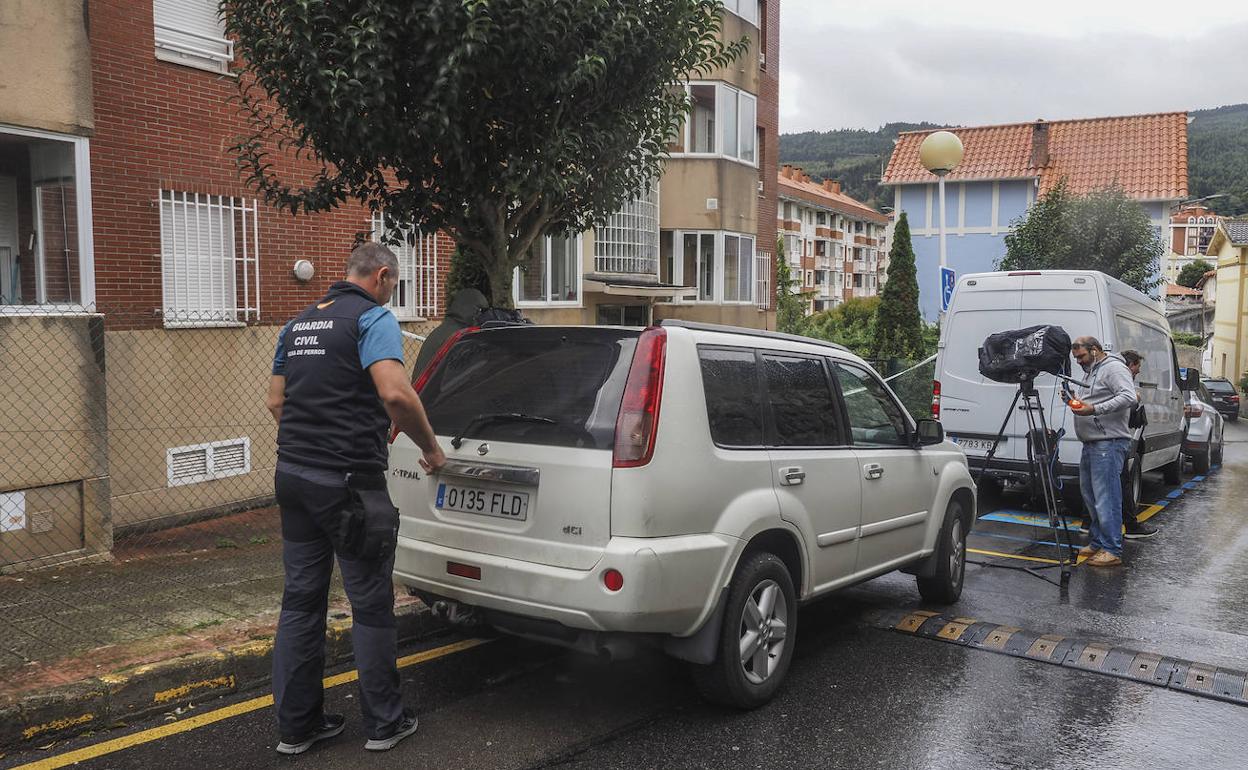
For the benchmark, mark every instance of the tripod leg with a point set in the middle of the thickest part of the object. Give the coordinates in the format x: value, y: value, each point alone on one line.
x: 1057, y: 521
x: 996, y: 442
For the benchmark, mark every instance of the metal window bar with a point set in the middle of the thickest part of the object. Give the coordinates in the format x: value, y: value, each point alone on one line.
x: 416, y: 296
x: 762, y: 272
x: 201, y: 270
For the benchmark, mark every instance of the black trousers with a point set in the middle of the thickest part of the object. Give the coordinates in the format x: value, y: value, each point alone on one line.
x: 310, y: 500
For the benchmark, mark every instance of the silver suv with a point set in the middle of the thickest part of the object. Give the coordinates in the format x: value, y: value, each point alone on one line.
x: 684, y: 486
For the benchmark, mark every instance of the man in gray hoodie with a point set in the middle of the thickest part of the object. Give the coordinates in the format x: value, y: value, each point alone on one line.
x: 1101, y: 423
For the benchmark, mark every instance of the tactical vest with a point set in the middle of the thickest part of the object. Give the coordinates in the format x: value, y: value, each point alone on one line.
x: 332, y: 416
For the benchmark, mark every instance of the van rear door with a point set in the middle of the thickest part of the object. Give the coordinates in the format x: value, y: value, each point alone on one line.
x: 535, y: 409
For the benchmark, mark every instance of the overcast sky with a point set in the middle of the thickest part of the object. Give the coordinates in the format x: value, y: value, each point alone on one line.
x: 863, y: 63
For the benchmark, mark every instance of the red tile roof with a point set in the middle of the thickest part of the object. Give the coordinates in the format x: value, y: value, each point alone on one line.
x: 1175, y: 290
x: 796, y: 184
x: 1146, y: 154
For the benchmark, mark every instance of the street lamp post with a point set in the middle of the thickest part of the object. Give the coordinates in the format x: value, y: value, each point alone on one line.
x: 940, y: 153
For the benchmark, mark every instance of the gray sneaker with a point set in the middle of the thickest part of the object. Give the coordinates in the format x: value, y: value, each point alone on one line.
x: 331, y: 725
x: 404, y: 728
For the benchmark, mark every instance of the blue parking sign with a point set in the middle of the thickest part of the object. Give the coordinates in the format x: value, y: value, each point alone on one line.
x: 947, y: 281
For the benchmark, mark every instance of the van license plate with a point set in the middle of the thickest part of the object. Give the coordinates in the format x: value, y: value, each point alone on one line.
x: 976, y: 445
x: 487, y: 502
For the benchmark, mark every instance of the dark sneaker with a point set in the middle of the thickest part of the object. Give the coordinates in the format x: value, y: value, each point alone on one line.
x: 331, y: 725
x: 1138, y: 530
x: 404, y: 728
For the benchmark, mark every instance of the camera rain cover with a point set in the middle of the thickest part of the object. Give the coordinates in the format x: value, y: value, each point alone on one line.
x: 1021, y: 354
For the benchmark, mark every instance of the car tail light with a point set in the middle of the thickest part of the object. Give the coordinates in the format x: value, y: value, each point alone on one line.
x: 469, y: 571
x: 1234, y: 399
x: 1193, y: 410
x: 423, y: 379
x: 935, y: 399
x: 613, y: 580
x: 637, y: 425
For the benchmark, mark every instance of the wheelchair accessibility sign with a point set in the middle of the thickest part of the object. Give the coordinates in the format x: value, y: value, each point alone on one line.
x: 947, y: 282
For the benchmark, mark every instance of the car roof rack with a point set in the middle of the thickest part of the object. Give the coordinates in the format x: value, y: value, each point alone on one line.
x: 705, y: 327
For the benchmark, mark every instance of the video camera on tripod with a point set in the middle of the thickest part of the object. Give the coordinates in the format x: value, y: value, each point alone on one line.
x: 1018, y: 357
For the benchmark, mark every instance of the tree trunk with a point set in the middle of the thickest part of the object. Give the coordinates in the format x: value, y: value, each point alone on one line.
x: 501, y: 272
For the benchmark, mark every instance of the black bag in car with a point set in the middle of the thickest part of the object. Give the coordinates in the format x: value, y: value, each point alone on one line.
x: 368, y: 528
x: 1021, y: 354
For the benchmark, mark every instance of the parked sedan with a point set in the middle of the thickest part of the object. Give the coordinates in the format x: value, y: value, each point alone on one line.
x: 1202, y: 442
x: 1225, y: 398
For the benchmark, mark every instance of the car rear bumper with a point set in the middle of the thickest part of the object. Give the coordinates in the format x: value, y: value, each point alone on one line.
x: 671, y: 584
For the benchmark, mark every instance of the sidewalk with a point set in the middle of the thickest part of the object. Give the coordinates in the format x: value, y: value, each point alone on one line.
x: 187, y: 614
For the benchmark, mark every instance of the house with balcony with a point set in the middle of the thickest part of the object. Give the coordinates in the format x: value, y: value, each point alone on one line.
x: 1007, y: 167
x: 832, y: 241
x: 699, y: 245
x: 1191, y: 230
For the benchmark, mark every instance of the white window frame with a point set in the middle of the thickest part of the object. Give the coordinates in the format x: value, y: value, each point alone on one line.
x: 718, y: 274
x: 723, y: 92
x: 741, y: 9
x: 205, y: 49
x: 578, y: 279
x: 175, y: 294
x: 418, y: 268
x: 86, y: 240
x: 722, y: 248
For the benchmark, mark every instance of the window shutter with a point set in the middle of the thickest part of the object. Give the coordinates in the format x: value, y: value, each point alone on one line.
x: 191, y: 32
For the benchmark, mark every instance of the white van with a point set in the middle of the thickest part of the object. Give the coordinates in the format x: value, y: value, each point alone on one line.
x: 973, y: 408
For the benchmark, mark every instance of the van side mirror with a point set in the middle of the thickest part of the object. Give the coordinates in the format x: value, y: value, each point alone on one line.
x: 928, y: 433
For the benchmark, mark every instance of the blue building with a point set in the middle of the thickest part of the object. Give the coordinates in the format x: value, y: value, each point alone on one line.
x: 1005, y: 168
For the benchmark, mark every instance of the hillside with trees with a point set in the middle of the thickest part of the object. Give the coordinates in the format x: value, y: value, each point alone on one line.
x: 1217, y: 157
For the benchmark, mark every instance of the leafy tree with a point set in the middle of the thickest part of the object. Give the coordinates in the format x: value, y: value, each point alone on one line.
x: 498, y: 121
x: 465, y: 274
x: 790, y: 306
x: 851, y: 323
x: 1192, y: 272
x: 899, y: 327
x: 1104, y: 230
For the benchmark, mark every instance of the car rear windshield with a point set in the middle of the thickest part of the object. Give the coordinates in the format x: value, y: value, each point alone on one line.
x: 566, y: 382
x: 1219, y: 386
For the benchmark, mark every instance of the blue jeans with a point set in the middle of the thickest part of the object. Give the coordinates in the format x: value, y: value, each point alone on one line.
x: 1100, y: 483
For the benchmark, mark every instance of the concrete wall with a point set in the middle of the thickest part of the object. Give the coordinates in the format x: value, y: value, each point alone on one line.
x: 743, y: 73
x: 46, y: 76
x: 53, y: 459
x: 688, y: 183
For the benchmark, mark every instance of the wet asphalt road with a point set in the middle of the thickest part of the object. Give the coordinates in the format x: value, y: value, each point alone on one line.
x: 857, y: 695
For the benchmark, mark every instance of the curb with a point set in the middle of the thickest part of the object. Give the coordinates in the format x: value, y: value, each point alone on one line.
x: 113, y: 699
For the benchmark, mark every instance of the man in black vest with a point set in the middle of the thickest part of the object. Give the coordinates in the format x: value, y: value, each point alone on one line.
x: 338, y: 382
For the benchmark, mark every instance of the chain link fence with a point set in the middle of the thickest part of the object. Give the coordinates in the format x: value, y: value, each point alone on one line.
x: 134, y: 452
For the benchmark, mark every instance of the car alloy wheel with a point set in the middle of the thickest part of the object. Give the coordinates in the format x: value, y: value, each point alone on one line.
x: 763, y: 631
x: 957, y: 551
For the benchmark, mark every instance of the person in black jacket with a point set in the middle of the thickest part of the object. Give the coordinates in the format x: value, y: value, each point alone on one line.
x: 337, y: 384
x: 1134, y: 528
x: 461, y: 314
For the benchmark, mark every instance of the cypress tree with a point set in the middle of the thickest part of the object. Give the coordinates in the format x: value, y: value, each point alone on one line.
x: 898, y: 325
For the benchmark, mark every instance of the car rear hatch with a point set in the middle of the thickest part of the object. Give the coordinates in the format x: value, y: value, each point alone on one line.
x: 534, y: 411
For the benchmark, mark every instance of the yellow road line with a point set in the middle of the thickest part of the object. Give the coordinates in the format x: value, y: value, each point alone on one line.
x: 1149, y: 512
x: 1079, y: 560
x: 217, y: 715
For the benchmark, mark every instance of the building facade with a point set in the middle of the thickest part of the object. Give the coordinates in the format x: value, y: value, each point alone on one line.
x: 833, y: 242
x: 1229, y: 349
x: 1005, y: 168
x: 700, y: 245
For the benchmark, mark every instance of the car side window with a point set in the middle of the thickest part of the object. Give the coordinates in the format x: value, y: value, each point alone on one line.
x: 1203, y: 394
x: 875, y: 419
x: 803, y: 410
x: 734, y: 406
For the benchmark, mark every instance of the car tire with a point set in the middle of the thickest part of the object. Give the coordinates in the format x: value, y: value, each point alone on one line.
x: 761, y: 579
x: 1217, y: 452
x: 945, y: 585
x: 1132, y: 486
x: 1201, y: 460
x: 1233, y: 417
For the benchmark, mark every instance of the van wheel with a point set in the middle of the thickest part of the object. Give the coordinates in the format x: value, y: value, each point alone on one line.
x: 1173, y: 472
x: 757, y: 638
x: 1201, y: 460
x: 945, y: 586
x: 1132, y: 487
x: 1217, y: 453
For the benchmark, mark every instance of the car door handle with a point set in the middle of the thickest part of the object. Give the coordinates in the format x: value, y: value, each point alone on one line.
x: 791, y: 477
x: 873, y: 471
